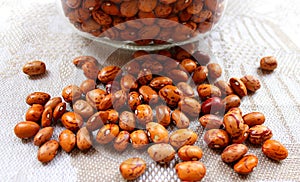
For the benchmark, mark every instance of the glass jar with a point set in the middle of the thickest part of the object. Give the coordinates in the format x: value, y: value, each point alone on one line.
x: 144, y: 24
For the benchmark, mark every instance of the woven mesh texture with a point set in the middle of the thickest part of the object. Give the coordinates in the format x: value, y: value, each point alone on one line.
x: 34, y: 30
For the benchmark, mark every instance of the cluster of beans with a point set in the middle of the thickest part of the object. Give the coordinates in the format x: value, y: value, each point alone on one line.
x: 144, y: 21
x: 136, y: 105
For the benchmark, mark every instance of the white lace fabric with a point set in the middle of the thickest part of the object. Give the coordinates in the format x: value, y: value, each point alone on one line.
x: 251, y: 29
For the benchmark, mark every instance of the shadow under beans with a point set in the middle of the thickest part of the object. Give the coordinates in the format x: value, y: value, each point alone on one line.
x: 263, y: 72
x: 27, y: 141
x: 42, y: 76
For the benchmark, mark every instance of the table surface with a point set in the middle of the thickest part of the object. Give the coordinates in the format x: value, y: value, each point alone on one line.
x: 251, y: 29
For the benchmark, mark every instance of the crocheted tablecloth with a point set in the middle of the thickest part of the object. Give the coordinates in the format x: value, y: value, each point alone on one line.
x: 251, y: 29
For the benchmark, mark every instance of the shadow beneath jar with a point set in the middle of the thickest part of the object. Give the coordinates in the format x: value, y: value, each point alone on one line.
x: 119, y: 57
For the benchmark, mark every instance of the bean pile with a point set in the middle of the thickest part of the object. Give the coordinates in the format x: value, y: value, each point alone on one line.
x: 136, y: 105
x: 144, y: 21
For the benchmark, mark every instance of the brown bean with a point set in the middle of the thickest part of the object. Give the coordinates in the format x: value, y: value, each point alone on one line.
x: 140, y: 54
x: 167, y: 1
x: 112, y: 87
x: 53, y: 102
x: 254, y: 118
x: 246, y: 164
x: 34, y: 113
x: 163, y: 10
x: 181, y: 5
x: 224, y: 87
x: 132, y: 168
x: 101, y: 18
x: 26, y: 129
x: 67, y: 140
x: 122, y: 140
x: 90, y: 70
x: 128, y: 82
x: 48, y: 151
x: 163, y: 115
x: 200, y: 74
x: 171, y: 95
x: 195, y: 7
x: 127, y: 121
x: 83, y: 108
x: 97, y: 120
x: 234, y: 152
x: 119, y: 99
x: 231, y: 101
x: 87, y: 85
x: 139, y: 139
x: 134, y: 100
x: 37, y: 98
x: 83, y: 139
x: 132, y: 67
x: 180, y: 119
x: 259, y: 133
x: 109, y: 73
x: 183, y: 137
x: 110, y: 8
x: 43, y: 136
x: 243, y: 137
x: 47, y: 116
x: 147, y: 18
x: 190, y: 170
x: 201, y: 57
x: 154, y: 66
x: 210, y: 121
x: 72, y: 121
x: 190, y: 106
x: 147, y: 5
x: 186, y: 89
x: 234, y: 123
x: 112, y: 116
x: 251, y: 82
x: 149, y: 95
x: 94, y: 97
x: 148, y: 32
x: 275, y: 150
x: 34, y: 68
x: 144, y: 76
x: 129, y: 8
x: 90, y: 26
x: 157, y: 132
x: 144, y: 114
x: 212, y: 105
x: 184, y: 16
x: 71, y: 93
x: 59, y: 110
x: 216, y: 138
x: 73, y: 3
x: 190, y: 153
x: 159, y: 82
x: 238, y: 87
x: 106, y: 103
x: 80, y: 60
x: 178, y: 75
x: 206, y: 91
x: 268, y: 63
x: 214, y: 70
x: 161, y: 152
x: 107, y: 133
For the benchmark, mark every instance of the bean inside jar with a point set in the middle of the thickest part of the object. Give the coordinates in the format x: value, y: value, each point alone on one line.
x: 144, y: 22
